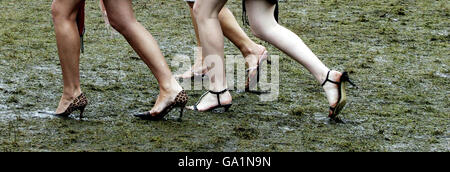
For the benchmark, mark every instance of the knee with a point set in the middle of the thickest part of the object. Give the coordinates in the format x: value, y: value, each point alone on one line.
x: 200, y: 15
x: 224, y: 14
x: 259, y: 31
x: 119, y: 23
x: 196, y: 10
x: 57, y: 13
x: 263, y: 30
x: 60, y: 13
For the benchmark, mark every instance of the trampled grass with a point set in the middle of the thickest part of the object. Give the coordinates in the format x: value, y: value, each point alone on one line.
x: 396, y: 51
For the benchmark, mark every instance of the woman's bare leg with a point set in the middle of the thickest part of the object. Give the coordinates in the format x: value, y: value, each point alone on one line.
x: 198, y: 68
x: 194, y: 22
x: 249, y: 49
x: 211, y: 37
x: 121, y: 17
x: 64, y: 15
x: 264, y: 26
x: 234, y: 33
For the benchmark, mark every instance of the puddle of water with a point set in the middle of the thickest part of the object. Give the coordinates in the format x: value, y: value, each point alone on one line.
x: 10, y: 115
x: 278, y: 114
x: 286, y: 129
x: 46, y: 67
x: 398, y: 147
x: 358, y: 130
x: 442, y: 75
x: 47, y: 114
x: 230, y: 146
x: 380, y: 59
x: 6, y: 115
x: 440, y: 32
x: 321, y: 118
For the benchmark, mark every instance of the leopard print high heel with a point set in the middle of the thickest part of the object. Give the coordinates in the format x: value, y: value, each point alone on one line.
x: 79, y: 103
x: 179, y: 102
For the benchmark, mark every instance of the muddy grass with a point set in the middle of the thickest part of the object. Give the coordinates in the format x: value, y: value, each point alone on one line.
x: 396, y: 51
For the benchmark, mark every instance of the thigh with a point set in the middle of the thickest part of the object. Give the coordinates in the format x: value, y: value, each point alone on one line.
x: 120, y: 10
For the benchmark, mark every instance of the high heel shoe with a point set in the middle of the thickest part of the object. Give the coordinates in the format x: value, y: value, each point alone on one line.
x: 342, y: 97
x: 226, y: 107
x: 179, y: 102
x: 79, y: 103
x: 251, y: 83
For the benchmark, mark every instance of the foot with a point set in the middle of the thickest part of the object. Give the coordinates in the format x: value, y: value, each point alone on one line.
x: 252, y: 57
x: 210, y: 101
x: 66, y: 100
x: 198, y: 69
x: 166, y: 98
x: 331, y: 89
x: 193, y: 73
x: 253, y: 61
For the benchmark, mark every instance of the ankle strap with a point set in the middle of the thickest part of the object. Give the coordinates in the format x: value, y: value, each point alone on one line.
x: 328, y: 80
x: 218, y: 95
x: 212, y: 92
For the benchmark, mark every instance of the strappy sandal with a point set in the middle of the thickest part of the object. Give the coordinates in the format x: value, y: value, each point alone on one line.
x: 342, y: 99
x: 226, y: 107
x: 251, y: 80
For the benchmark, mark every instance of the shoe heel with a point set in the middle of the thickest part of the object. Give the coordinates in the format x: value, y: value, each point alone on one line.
x: 346, y: 78
x: 81, y: 112
x: 227, y: 107
x: 181, y: 100
x: 349, y: 81
x: 180, y: 119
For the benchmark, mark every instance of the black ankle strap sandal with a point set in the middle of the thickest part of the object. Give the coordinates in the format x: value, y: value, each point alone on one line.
x: 342, y: 97
x: 226, y: 107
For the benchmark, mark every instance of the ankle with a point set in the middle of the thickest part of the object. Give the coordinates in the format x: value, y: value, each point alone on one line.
x: 198, y: 69
x: 70, y: 94
x: 170, y: 87
x: 251, y: 49
x: 246, y: 51
x: 332, y: 75
x: 321, y: 75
